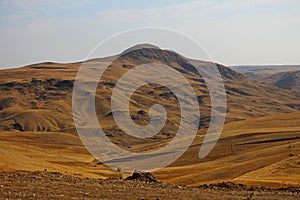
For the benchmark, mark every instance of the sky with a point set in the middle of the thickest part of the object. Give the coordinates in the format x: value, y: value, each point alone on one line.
x: 233, y: 32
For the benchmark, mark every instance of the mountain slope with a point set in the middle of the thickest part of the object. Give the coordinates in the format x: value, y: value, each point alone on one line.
x: 47, y: 87
x: 259, y: 72
x: 285, y: 80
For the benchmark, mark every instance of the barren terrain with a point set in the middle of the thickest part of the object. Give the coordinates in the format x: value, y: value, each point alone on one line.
x: 253, y: 152
x: 259, y: 146
x: 47, y: 185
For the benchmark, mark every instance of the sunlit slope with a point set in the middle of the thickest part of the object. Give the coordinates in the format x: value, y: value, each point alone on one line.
x: 52, y: 151
x: 259, y: 151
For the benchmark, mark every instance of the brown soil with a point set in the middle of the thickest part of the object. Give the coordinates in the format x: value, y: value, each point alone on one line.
x: 54, y: 185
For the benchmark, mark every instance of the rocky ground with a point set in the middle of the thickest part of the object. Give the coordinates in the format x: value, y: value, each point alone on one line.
x: 54, y: 185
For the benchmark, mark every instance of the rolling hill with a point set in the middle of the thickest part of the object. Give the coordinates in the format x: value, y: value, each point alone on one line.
x: 30, y: 91
x: 259, y: 143
x: 285, y: 80
x: 282, y: 76
x: 261, y: 151
x: 259, y: 72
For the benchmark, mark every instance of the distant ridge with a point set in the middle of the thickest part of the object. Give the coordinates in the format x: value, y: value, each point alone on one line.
x: 285, y: 80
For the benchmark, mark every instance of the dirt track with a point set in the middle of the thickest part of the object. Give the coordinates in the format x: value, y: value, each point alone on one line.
x: 54, y: 185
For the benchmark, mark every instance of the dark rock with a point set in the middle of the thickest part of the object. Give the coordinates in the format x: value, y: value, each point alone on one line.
x: 65, y: 84
x: 10, y: 84
x: 35, y: 81
x: 17, y: 126
x: 109, y: 84
x: 142, y: 176
x: 127, y: 66
x: 142, y: 112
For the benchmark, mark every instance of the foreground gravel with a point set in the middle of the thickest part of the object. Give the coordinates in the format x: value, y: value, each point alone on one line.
x: 54, y: 185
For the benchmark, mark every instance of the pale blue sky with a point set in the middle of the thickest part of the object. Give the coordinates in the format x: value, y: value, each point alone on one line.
x: 233, y: 32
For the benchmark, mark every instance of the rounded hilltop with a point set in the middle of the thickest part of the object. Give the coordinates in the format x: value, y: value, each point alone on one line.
x: 140, y: 46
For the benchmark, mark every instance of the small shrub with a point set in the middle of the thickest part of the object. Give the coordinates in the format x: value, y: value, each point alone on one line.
x: 119, y: 169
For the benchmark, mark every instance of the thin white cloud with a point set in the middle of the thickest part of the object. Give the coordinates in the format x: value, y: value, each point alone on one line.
x: 189, y: 10
x: 233, y: 32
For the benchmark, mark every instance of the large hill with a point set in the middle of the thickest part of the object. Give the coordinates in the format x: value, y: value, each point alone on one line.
x: 38, y: 97
x: 261, y: 133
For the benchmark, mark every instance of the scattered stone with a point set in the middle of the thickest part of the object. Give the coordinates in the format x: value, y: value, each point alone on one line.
x: 54, y: 185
